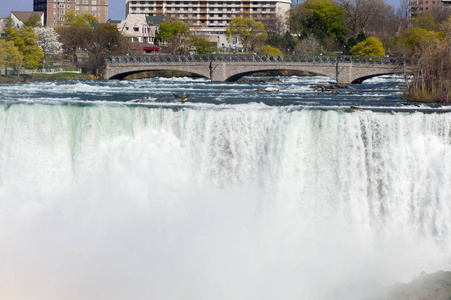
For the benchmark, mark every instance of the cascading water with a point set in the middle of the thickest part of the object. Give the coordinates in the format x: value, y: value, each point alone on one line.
x: 255, y: 202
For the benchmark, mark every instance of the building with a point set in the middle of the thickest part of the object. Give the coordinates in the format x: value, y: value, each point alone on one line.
x: 210, y: 17
x: 418, y: 6
x: 140, y: 28
x: 20, y: 17
x: 54, y: 10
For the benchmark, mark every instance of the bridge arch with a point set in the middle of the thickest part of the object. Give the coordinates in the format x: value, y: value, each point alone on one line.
x: 362, y: 79
x: 121, y: 73
x: 237, y: 76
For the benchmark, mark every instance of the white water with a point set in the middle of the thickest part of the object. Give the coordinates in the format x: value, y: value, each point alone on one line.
x: 106, y: 202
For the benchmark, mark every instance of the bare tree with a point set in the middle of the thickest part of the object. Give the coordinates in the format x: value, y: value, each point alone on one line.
x: 360, y: 13
x: 403, y: 11
x: 308, y: 46
x: 275, y: 24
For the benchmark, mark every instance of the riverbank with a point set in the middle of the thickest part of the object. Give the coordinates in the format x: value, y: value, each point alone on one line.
x: 45, y: 77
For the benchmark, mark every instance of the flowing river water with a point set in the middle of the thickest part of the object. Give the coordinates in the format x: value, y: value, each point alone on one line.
x: 240, y: 193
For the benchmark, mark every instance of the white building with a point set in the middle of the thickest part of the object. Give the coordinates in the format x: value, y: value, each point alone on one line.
x: 140, y: 28
x: 20, y: 17
x: 210, y: 17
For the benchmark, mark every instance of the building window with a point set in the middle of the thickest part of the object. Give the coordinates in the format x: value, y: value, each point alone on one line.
x: 54, y: 12
x: 77, y: 7
x: 54, y: 5
x: 54, y: 18
x: 94, y: 8
x: 68, y: 6
x: 94, y: 2
x: 61, y: 12
x: 94, y: 14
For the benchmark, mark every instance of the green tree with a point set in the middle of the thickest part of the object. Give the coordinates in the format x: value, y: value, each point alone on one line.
x: 203, y: 46
x: 370, y: 47
x: 33, y: 21
x: 71, y: 19
x: 25, y: 39
x: 175, y: 34
x: 248, y: 31
x: 9, y: 22
x: 425, y: 21
x: 287, y: 43
x: 414, y: 41
x: 10, y: 56
x: 268, y: 50
x: 322, y: 18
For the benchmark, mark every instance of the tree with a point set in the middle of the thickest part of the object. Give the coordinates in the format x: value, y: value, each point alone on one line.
x: 103, y: 41
x: 323, y: 19
x: 295, y: 17
x: 48, y: 42
x: 248, y: 31
x: 203, y: 46
x: 370, y: 47
x: 94, y: 43
x: 275, y: 24
x: 308, y: 46
x: 175, y: 34
x: 71, y: 19
x: 360, y: 13
x: 415, y: 41
x: 33, y: 21
x: 26, y: 41
x: 268, y: 50
x: 432, y: 70
x: 287, y: 43
x: 10, y: 56
x: 73, y: 38
x: 426, y: 21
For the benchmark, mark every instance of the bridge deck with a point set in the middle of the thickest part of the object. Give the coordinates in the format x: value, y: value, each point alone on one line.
x: 229, y: 67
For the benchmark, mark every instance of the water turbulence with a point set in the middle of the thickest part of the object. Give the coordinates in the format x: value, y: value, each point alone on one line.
x: 117, y: 202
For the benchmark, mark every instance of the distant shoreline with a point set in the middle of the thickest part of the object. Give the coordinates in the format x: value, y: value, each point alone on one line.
x: 63, y: 76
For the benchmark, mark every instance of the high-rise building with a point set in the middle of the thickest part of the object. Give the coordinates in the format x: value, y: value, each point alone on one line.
x: 54, y: 10
x: 209, y: 16
x: 418, y: 6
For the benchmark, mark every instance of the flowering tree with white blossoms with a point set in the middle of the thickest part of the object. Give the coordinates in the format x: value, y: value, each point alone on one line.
x: 48, y: 42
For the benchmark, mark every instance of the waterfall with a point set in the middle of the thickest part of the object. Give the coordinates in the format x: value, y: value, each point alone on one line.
x: 114, y: 202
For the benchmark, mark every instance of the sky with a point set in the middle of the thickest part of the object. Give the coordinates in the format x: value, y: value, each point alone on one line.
x: 116, y: 8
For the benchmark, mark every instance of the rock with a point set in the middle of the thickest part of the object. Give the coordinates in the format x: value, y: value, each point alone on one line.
x: 435, y: 286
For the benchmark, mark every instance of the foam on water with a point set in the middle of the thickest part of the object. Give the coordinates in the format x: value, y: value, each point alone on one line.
x: 244, y: 202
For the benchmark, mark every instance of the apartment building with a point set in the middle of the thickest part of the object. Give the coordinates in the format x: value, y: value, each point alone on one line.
x: 209, y: 16
x: 54, y: 10
x: 418, y: 6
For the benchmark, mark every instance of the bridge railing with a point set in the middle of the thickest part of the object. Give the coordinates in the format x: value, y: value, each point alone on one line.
x: 252, y: 58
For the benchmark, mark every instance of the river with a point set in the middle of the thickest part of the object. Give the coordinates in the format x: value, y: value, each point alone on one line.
x: 240, y: 193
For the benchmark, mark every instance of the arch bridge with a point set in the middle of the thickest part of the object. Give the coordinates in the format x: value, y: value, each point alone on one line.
x: 230, y: 67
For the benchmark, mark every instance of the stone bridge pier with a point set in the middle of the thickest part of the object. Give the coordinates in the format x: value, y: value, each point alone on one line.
x: 230, y: 67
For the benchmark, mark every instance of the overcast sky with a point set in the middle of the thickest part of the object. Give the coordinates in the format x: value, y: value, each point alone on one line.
x: 116, y: 7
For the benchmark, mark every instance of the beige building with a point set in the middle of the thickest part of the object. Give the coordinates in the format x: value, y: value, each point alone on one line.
x: 210, y: 16
x: 54, y: 10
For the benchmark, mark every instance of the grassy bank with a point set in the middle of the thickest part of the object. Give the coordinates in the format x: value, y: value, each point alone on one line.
x: 45, y: 77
